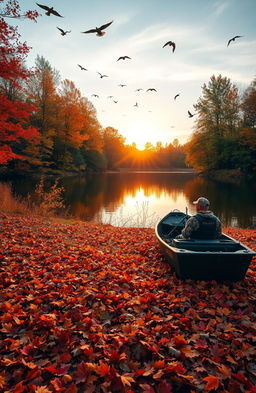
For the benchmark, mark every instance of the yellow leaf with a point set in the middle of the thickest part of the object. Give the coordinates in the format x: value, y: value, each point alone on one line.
x: 126, y: 380
x: 42, y: 389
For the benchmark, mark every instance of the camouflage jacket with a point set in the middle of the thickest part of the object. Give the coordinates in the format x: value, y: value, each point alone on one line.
x: 192, y: 225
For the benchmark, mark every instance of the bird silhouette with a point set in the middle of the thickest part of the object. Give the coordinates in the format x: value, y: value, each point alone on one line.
x: 122, y: 85
x: 62, y: 31
x: 151, y: 89
x: 138, y: 89
x: 136, y: 105
x: 123, y: 58
x: 115, y: 102
x: 233, y: 39
x: 177, y: 95
x: 110, y: 97
x: 82, y: 68
x: 95, y: 95
x: 170, y: 43
x: 98, y: 30
x: 190, y: 114
x: 49, y: 10
x: 102, y: 76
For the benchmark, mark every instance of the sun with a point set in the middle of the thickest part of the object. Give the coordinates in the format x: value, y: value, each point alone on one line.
x: 141, y: 132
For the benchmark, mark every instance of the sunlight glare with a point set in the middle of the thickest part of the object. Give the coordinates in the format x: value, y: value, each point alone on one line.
x: 141, y: 132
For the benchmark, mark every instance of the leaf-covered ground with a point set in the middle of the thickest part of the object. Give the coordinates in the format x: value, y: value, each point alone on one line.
x: 93, y: 308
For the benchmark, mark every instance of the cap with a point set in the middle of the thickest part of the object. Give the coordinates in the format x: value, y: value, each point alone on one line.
x: 203, y: 202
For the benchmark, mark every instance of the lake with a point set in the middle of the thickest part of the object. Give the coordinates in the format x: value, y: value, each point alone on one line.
x: 141, y: 198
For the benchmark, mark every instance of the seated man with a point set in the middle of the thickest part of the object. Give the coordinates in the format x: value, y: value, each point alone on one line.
x: 203, y: 225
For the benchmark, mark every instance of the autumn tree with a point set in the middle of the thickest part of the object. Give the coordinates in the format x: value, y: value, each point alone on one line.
x: 218, y: 107
x: 42, y: 93
x: 248, y: 131
x: 218, y: 120
x: 70, y: 127
x: 14, y: 115
x: 248, y: 106
x: 113, y: 147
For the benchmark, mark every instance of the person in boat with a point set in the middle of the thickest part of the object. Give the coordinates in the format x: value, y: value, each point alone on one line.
x: 204, y: 224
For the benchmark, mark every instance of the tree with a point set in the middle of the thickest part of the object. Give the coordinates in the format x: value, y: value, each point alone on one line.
x: 218, y: 119
x: 12, y: 10
x: 42, y: 93
x: 113, y: 147
x: 14, y: 115
x: 248, y: 106
x: 218, y: 108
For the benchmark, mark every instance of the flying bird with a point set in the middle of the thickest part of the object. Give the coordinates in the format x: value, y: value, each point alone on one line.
x: 62, y: 31
x: 190, y: 114
x: 177, y: 95
x: 151, y: 89
x: 170, y: 43
x: 95, y: 95
x: 115, y: 102
x: 98, y: 30
x: 49, y: 10
x: 82, y: 68
x: 233, y: 39
x: 110, y: 97
x: 102, y: 76
x: 136, y: 104
x: 123, y: 58
x: 138, y: 89
x: 122, y: 85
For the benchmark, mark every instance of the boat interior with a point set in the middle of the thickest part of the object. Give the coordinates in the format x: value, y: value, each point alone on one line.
x: 171, y: 225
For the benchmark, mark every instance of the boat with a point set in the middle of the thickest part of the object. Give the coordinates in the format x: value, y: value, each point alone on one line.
x: 220, y: 259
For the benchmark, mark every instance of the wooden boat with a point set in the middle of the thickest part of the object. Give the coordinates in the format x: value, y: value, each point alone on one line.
x: 221, y: 259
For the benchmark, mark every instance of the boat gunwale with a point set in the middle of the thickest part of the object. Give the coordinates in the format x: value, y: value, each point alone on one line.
x: 245, y: 251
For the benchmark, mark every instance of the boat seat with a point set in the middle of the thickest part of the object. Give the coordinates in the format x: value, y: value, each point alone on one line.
x: 225, y: 245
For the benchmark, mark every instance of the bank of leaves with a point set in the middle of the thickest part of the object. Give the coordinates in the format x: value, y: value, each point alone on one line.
x: 93, y: 308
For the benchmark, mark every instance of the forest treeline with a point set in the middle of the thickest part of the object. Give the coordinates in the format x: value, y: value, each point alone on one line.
x: 224, y: 134
x: 46, y: 124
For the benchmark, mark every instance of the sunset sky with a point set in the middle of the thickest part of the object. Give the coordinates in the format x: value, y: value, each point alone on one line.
x: 140, y: 28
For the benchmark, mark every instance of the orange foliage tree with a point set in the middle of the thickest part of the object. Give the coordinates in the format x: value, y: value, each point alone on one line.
x: 14, y: 115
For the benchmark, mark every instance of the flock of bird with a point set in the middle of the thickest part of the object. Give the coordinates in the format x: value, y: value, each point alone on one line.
x: 100, y: 32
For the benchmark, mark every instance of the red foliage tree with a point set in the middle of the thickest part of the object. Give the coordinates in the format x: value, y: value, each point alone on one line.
x: 14, y: 115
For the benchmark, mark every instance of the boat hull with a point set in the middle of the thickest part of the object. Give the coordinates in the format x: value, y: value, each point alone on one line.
x: 219, y: 260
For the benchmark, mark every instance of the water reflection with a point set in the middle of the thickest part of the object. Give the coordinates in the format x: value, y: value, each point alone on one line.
x: 112, y: 197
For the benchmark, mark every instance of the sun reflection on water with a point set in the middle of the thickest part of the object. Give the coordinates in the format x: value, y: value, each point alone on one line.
x: 144, y: 204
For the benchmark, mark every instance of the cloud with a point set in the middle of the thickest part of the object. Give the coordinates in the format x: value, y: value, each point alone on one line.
x: 219, y: 7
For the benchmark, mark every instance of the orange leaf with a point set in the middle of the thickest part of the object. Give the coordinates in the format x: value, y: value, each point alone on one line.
x: 225, y: 371
x: 180, y: 340
x: 189, y: 352
x: 103, y: 369
x: 159, y: 364
x: 212, y: 382
x: 2, y: 381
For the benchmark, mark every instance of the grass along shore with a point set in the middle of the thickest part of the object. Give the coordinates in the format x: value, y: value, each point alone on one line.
x: 95, y: 308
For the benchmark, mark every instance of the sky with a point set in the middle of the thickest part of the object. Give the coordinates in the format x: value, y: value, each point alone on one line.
x: 200, y: 29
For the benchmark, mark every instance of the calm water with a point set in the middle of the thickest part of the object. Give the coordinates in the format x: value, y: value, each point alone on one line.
x: 140, y: 199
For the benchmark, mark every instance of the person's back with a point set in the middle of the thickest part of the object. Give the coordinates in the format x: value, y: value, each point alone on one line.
x: 204, y: 224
